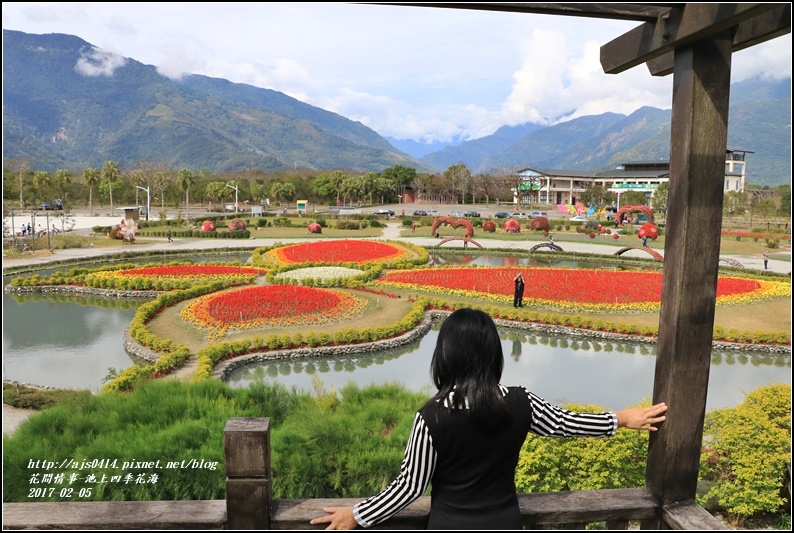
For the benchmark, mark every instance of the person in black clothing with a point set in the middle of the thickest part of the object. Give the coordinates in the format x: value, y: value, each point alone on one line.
x: 169, y: 236
x: 518, y: 294
x: 465, y: 440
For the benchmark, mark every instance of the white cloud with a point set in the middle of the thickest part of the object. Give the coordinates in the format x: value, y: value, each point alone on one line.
x: 429, y: 74
x: 96, y: 62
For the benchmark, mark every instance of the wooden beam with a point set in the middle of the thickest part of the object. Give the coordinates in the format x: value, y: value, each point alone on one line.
x: 637, y: 12
x: 698, y: 141
x: 759, y: 29
x: 689, y: 516
x: 679, y: 27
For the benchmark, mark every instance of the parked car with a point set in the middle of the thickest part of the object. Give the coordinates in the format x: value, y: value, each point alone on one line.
x: 57, y: 204
x: 519, y: 214
x: 536, y: 214
x: 433, y: 213
x: 502, y: 214
x: 456, y: 213
x: 578, y: 218
x: 388, y: 212
x: 473, y: 214
x: 420, y: 213
x: 45, y: 205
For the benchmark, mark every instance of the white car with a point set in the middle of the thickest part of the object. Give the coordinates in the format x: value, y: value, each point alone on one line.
x: 578, y: 218
x: 456, y: 213
x: 521, y: 214
x: 433, y: 213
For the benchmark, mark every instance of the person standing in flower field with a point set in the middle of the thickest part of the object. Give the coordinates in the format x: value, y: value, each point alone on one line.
x: 518, y: 293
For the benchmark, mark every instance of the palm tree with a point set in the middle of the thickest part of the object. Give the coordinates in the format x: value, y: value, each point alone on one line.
x: 186, y: 180
x: 90, y: 178
x: 110, y: 172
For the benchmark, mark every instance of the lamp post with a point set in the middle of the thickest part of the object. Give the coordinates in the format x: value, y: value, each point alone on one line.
x: 148, y: 200
x: 236, y: 190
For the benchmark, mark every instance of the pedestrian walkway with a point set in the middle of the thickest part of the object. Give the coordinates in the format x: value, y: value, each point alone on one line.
x: 780, y: 261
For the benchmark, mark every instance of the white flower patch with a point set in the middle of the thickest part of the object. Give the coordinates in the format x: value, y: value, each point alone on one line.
x: 324, y: 272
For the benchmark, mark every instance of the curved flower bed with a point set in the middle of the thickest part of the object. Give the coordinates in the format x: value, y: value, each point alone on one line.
x: 271, y: 305
x: 166, y: 277
x: 340, y: 251
x: 325, y: 273
x: 590, y: 290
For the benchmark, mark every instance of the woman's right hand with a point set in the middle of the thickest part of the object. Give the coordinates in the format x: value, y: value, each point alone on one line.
x: 642, y: 417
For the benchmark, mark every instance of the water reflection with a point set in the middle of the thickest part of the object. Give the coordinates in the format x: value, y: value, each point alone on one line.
x: 70, y: 342
x: 612, y: 374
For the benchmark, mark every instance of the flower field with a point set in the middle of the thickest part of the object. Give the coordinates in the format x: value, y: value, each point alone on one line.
x: 579, y: 289
x: 341, y: 251
x: 271, y: 305
x: 193, y: 271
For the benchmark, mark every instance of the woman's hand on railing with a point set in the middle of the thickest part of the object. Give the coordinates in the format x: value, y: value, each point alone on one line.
x: 642, y: 417
x: 337, y: 518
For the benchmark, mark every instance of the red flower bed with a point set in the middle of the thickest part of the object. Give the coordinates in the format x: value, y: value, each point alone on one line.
x: 282, y: 305
x: 581, y: 286
x: 343, y: 251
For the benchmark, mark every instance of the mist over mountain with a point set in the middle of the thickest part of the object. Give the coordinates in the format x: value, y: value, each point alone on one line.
x: 70, y: 105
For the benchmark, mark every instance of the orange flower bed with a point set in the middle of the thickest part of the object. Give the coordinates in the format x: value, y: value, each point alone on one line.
x: 341, y: 251
x: 273, y: 305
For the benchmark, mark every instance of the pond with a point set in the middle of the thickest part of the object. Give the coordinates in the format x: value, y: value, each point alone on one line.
x: 72, y: 342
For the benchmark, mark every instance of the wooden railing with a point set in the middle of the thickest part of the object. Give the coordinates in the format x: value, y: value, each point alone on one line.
x: 249, y: 503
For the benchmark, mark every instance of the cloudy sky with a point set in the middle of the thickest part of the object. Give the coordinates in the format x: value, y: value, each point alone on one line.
x: 430, y: 75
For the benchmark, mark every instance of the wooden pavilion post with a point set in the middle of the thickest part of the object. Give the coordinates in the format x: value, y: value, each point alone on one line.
x: 699, y: 128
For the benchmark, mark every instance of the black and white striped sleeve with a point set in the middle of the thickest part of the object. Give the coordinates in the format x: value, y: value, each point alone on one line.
x: 414, y: 477
x: 550, y: 420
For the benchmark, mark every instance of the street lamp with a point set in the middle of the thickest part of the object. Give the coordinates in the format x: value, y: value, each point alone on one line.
x: 148, y: 201
x: 236, y: 190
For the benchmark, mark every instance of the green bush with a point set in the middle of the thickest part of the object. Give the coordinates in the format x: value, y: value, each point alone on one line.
x: 748, y: 448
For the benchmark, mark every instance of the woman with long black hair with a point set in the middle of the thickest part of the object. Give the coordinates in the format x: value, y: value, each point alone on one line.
x: 466, y: 439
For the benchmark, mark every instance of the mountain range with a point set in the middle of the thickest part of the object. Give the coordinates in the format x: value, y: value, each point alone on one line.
x: 69, y: 105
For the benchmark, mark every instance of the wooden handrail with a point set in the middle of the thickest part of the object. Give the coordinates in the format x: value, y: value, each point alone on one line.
x: 249, y: 503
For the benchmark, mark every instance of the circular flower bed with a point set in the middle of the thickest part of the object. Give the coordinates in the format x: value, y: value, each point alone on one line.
x: 341, y: 251
x: 271, y: 305
x: 324, y: 273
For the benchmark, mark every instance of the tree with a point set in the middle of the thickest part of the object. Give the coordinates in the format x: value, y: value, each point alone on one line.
x: 258, y: 191
x: 110, y: 173
x: 633, y: 198
x: 186, y: 180
x: 329, y: 185
x: 61, y: 181
x: 597, y: 196
x: 659, y: 199
x: 161, y: 182
x: 41, y: 182
x: 282, y: 190
x: 785, y: 200
x: 215, y: 190
x: 458, y: 179
x: 487, y: 186
x: 90, y: 178
x: 734, y: 203
x: 20, y: 166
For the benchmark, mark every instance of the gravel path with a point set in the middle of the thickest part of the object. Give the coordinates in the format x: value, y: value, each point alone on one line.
x: 13, y: 417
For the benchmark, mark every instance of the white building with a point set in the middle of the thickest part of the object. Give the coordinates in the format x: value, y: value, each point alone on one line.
x: 554, y: 186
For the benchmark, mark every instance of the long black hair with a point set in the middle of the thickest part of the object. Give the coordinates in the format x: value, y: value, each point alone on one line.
x: 468, y: 360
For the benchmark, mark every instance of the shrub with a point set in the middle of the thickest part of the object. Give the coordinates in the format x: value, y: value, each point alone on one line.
x: 746, y: 473
x: 314, y: 227
x: 236, y: 224
x: 489, y: 226
x: 208, y: 225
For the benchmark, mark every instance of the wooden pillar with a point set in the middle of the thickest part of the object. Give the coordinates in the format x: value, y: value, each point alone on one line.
x: 701, y: 90
x: 246, y: 447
